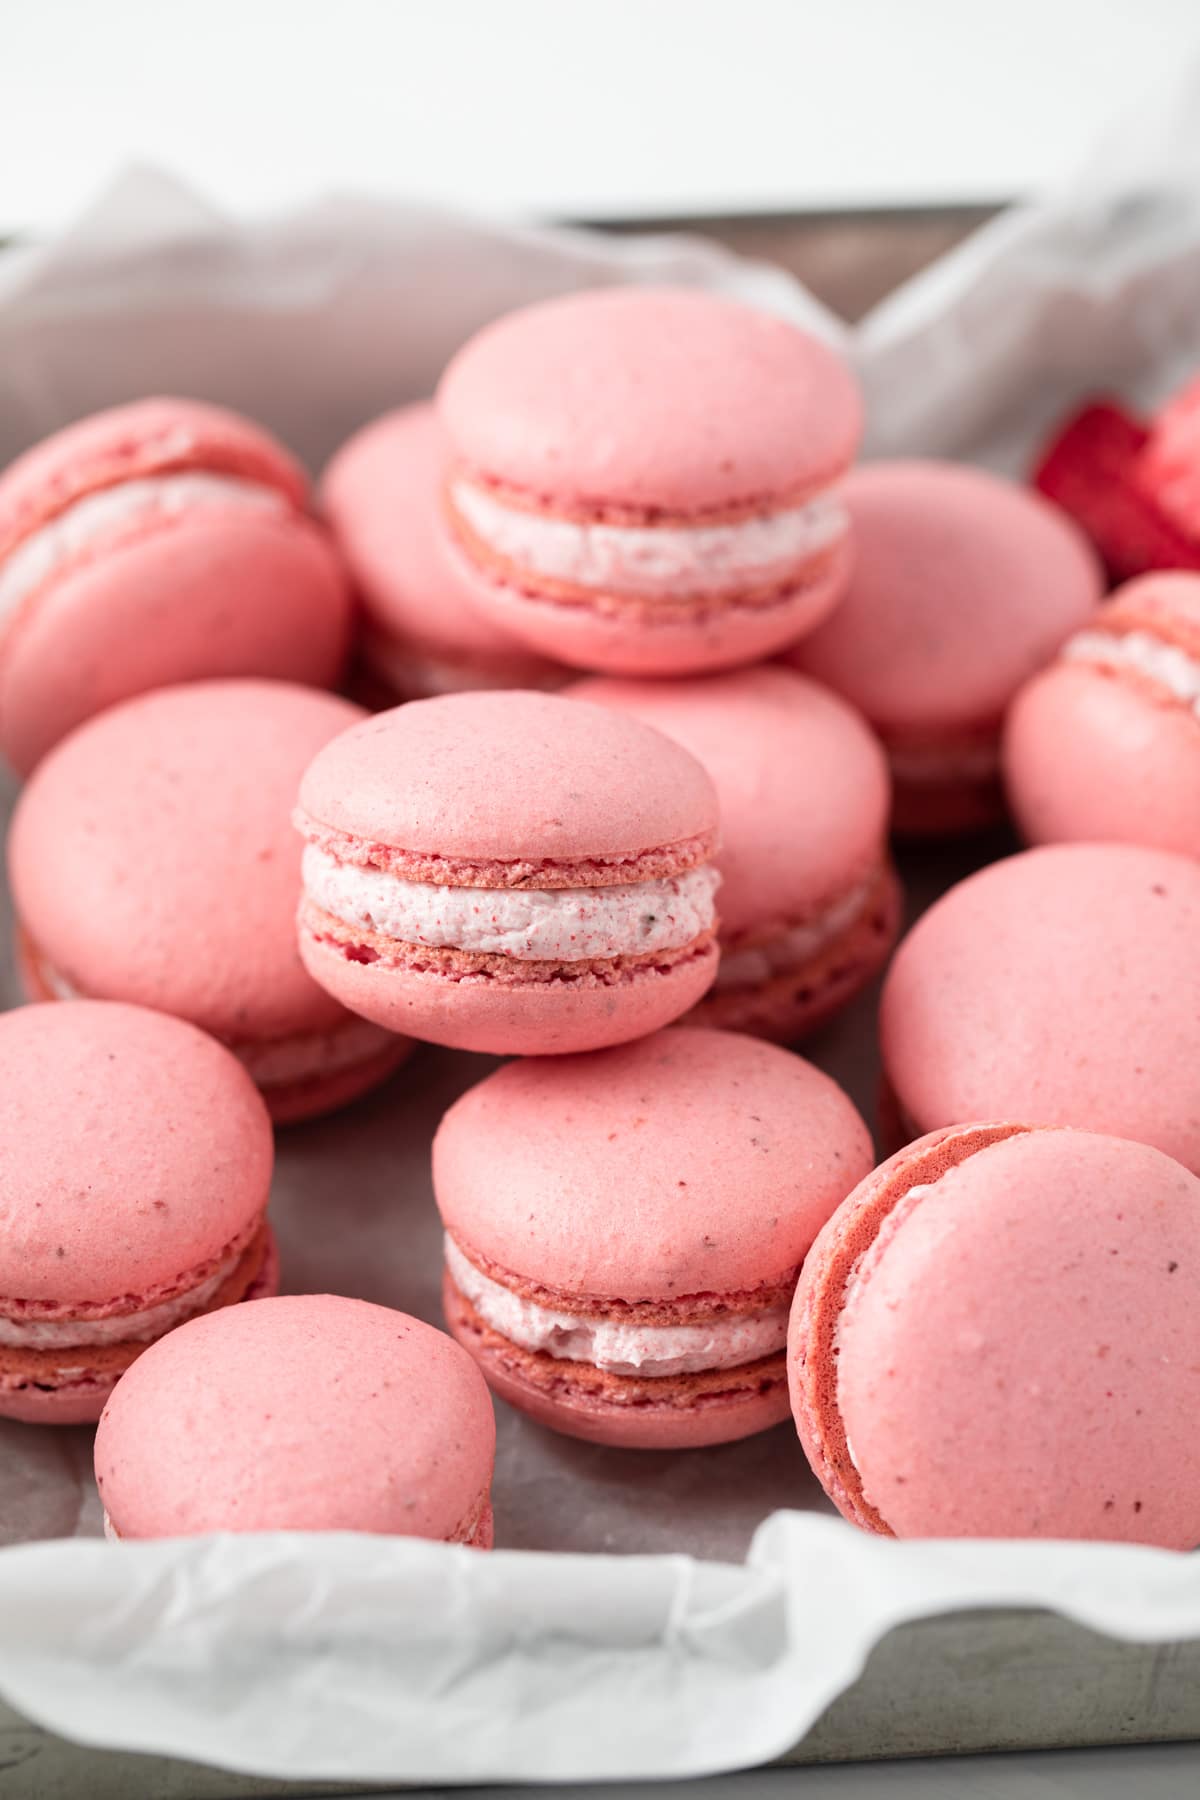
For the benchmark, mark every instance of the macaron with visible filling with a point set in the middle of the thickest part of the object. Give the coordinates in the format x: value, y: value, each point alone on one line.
x: 1105, y: 742
x: 159, y: 542
x: 421, y: 632
x: 133, y: 1193
x: 1060, y: 986
x: 644, y: 481
x: 308, y: 1413
x: 964, y: 584
x: 511, y: 872
x: 810, y: 902
x: 624, y: 1231
x: 152, y: 859
x: 998, y: 1335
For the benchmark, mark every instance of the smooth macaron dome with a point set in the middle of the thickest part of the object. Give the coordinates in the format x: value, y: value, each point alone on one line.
x: 133, y: 1192
x: 810, y: 903
x: 997, y: 1335
x: 421, y: 632
x: 644, y: 480
x: 1105, y: 742
x: 963, y: 585
x: 1060, y: 986
x: 305, y: 1413
x: 511, y: 871
x: 153, y: 543
x: 624, y: 1230
x: 152, y: 859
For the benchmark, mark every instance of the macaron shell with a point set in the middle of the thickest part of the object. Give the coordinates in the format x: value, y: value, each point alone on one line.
x: 312, y: 1413
x: 649, y: 399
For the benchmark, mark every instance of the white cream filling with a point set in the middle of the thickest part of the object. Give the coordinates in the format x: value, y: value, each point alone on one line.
x: 412, y: 672
x: 102, y: 514
x: 656, y: 561
x: 119, y: 1328
x: 1144, y: 654
x: 532, y: 925
x: 616, y: 1346
x: 760, y: 963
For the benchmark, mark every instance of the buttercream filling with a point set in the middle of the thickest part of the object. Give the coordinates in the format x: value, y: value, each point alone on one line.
x: 919, y: 763
x: 618, y: 1346
x: 532, y: 925
x: 790, y: 949
x: 107, y: 513
x: 1143, y: 654
x: 409, y: 669
x: 118, y: 1328
x: 653, y: 561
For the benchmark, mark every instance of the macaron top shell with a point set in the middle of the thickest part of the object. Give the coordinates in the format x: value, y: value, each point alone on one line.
x: 1167, y: 602
x: 1061, y: 986
x: 153, y: 858
x: 135, y: 1148
x: 802, y: 783
x: 307, y: 1413
x: 963, y: 585
x: 510, y: 776
x: 642, y: 400
x: 689, y: 1162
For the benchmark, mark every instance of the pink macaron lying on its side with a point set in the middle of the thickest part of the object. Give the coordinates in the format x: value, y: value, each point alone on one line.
x: 998, y: 1335
x: 964, y: 584
x: 159, y: 542
x: 1061, y: 986
x: 643, y: 480
x: 152, y: 859
x: 422, y: 633
x: 512, y: 872
x: 1105, y: 742
x: 309, y: 1413
x: 810, y: 903
x: 133, y: 1190
x: 624, y: 1231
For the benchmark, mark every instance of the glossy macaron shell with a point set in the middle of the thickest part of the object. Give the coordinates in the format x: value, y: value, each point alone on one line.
x: 308, y: 1413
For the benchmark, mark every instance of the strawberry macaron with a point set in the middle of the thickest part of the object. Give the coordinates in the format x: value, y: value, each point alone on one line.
x: 422, y: 633
x: 964, y: 584
x: 644, y: 480
x: 155, y: 543
x: 624, y: 1231
x: 1105, y: 742
x: 152, y: 859
x: 511, y: 871
x: 810, y: 903
x: 309, y: 1413
x: 133, y: 1192
x: 1061, y: 987
x: 998, y: 1335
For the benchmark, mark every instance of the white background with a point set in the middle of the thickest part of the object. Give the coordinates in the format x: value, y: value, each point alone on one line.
x: 570, y: 107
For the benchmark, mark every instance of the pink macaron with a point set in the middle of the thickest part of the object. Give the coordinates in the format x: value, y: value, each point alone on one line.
x: 964, y: 584
x: 509, y: 871
x: 422, y: 633
x: 642, y: 480
x: 309, y: 1413
x: 998, y: 1335
x: 1061, y: 986
x: 810, y: 904
x: 1105, y: 742
x: 152, y: 859
x: 624, y: 1231
x: 159, y: 542
x: 133, y: 1191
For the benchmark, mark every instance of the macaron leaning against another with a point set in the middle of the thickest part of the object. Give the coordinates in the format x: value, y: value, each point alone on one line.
x: 510, y: 872
x: 809, y: 900
x: 643, y: 480
x: 133, y: 1192
x: 159, y: 542
x: 998, y: 1335
x: 422, y: 633
x: 308, y: 1413
x: 624, y: 1231
x: 1105, y: 742
x: 152, y: 859
x: 964, y: 584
